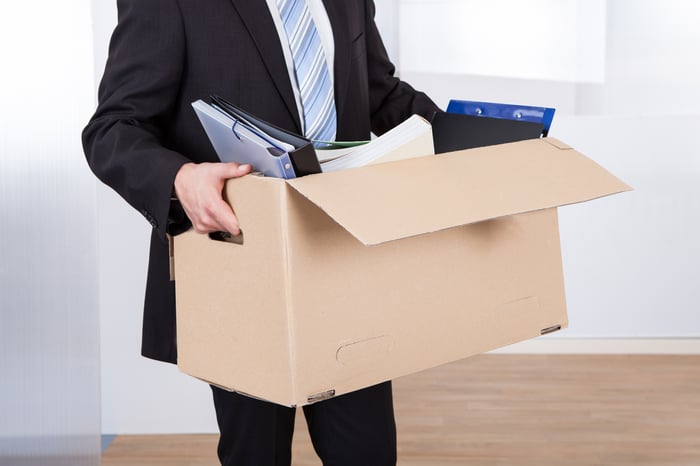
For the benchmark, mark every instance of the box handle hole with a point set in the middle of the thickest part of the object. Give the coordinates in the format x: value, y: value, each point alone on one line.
x: 226, y: 237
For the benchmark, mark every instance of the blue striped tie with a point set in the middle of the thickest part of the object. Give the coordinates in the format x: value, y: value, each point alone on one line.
x: 313, y: 77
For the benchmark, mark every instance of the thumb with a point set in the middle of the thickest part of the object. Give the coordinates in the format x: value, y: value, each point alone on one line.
x: 244, y: 169
x: 233, y: 169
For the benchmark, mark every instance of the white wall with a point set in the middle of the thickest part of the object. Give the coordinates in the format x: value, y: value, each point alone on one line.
x: 652, y: 67
x: 49, y: 344
x: 388, y: 23
x: 562, y: 40
x: 630, y: 261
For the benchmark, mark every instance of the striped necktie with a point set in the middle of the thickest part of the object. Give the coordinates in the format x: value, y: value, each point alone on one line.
x: 313, y: 77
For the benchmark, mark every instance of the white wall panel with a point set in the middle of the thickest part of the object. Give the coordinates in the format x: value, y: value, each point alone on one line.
x: 560, y: 40
x: 442, y: 87
x: 49, y: 328
x: 652, y: 63
x: 387, y: 21
x: 632, y: 261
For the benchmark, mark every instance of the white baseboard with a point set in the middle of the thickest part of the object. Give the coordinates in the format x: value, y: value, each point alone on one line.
x: 604, y: 346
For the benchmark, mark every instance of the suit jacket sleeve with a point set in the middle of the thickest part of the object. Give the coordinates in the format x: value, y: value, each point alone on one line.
x: 391, y: 100
x: 123, y: 141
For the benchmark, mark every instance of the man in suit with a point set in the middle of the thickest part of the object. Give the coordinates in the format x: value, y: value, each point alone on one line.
x: 146, y: 143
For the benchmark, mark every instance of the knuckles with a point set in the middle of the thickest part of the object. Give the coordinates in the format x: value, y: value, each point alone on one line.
x: 199, y: 228
x: 204, y: 224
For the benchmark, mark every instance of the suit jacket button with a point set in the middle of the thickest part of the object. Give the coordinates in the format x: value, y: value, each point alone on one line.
x: 150, y: 218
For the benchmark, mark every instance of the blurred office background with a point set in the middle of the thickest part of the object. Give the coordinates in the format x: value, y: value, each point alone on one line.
x: 622, y: 74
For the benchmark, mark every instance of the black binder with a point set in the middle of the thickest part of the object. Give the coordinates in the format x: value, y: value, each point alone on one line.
x: 454, y: 131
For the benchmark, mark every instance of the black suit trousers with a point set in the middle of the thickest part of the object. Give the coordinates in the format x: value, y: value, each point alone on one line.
x: 355, y: 429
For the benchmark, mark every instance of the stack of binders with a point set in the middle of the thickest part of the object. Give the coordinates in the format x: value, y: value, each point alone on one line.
x: 238, y: 136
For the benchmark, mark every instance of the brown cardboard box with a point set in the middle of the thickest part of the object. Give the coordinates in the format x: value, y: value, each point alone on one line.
x: 350, y: 278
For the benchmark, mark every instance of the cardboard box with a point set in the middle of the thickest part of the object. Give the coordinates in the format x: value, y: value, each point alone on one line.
x: 351, y: 278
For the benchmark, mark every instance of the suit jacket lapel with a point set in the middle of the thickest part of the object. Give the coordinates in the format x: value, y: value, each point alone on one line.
x: 256, y: 16
x: 341, y: 39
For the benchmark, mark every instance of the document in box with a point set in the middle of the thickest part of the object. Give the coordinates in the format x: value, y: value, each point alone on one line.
x: 412, y: 138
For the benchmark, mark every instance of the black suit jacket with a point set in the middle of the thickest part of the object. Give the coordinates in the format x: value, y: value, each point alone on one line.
x: 164, y: 54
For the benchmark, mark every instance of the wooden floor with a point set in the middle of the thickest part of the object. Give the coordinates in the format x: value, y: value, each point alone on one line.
x: 512, y: 410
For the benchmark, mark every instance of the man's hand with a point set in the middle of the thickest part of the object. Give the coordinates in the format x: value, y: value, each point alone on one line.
x: 199, y: 188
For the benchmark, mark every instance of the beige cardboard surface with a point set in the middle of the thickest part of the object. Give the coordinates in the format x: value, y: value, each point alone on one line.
x: 303, y: 308
x: 367, y: 314
x: 231, y: 299
x: 412, y: 197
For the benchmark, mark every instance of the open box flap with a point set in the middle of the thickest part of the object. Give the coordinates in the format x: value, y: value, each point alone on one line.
x: 390, y: 201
